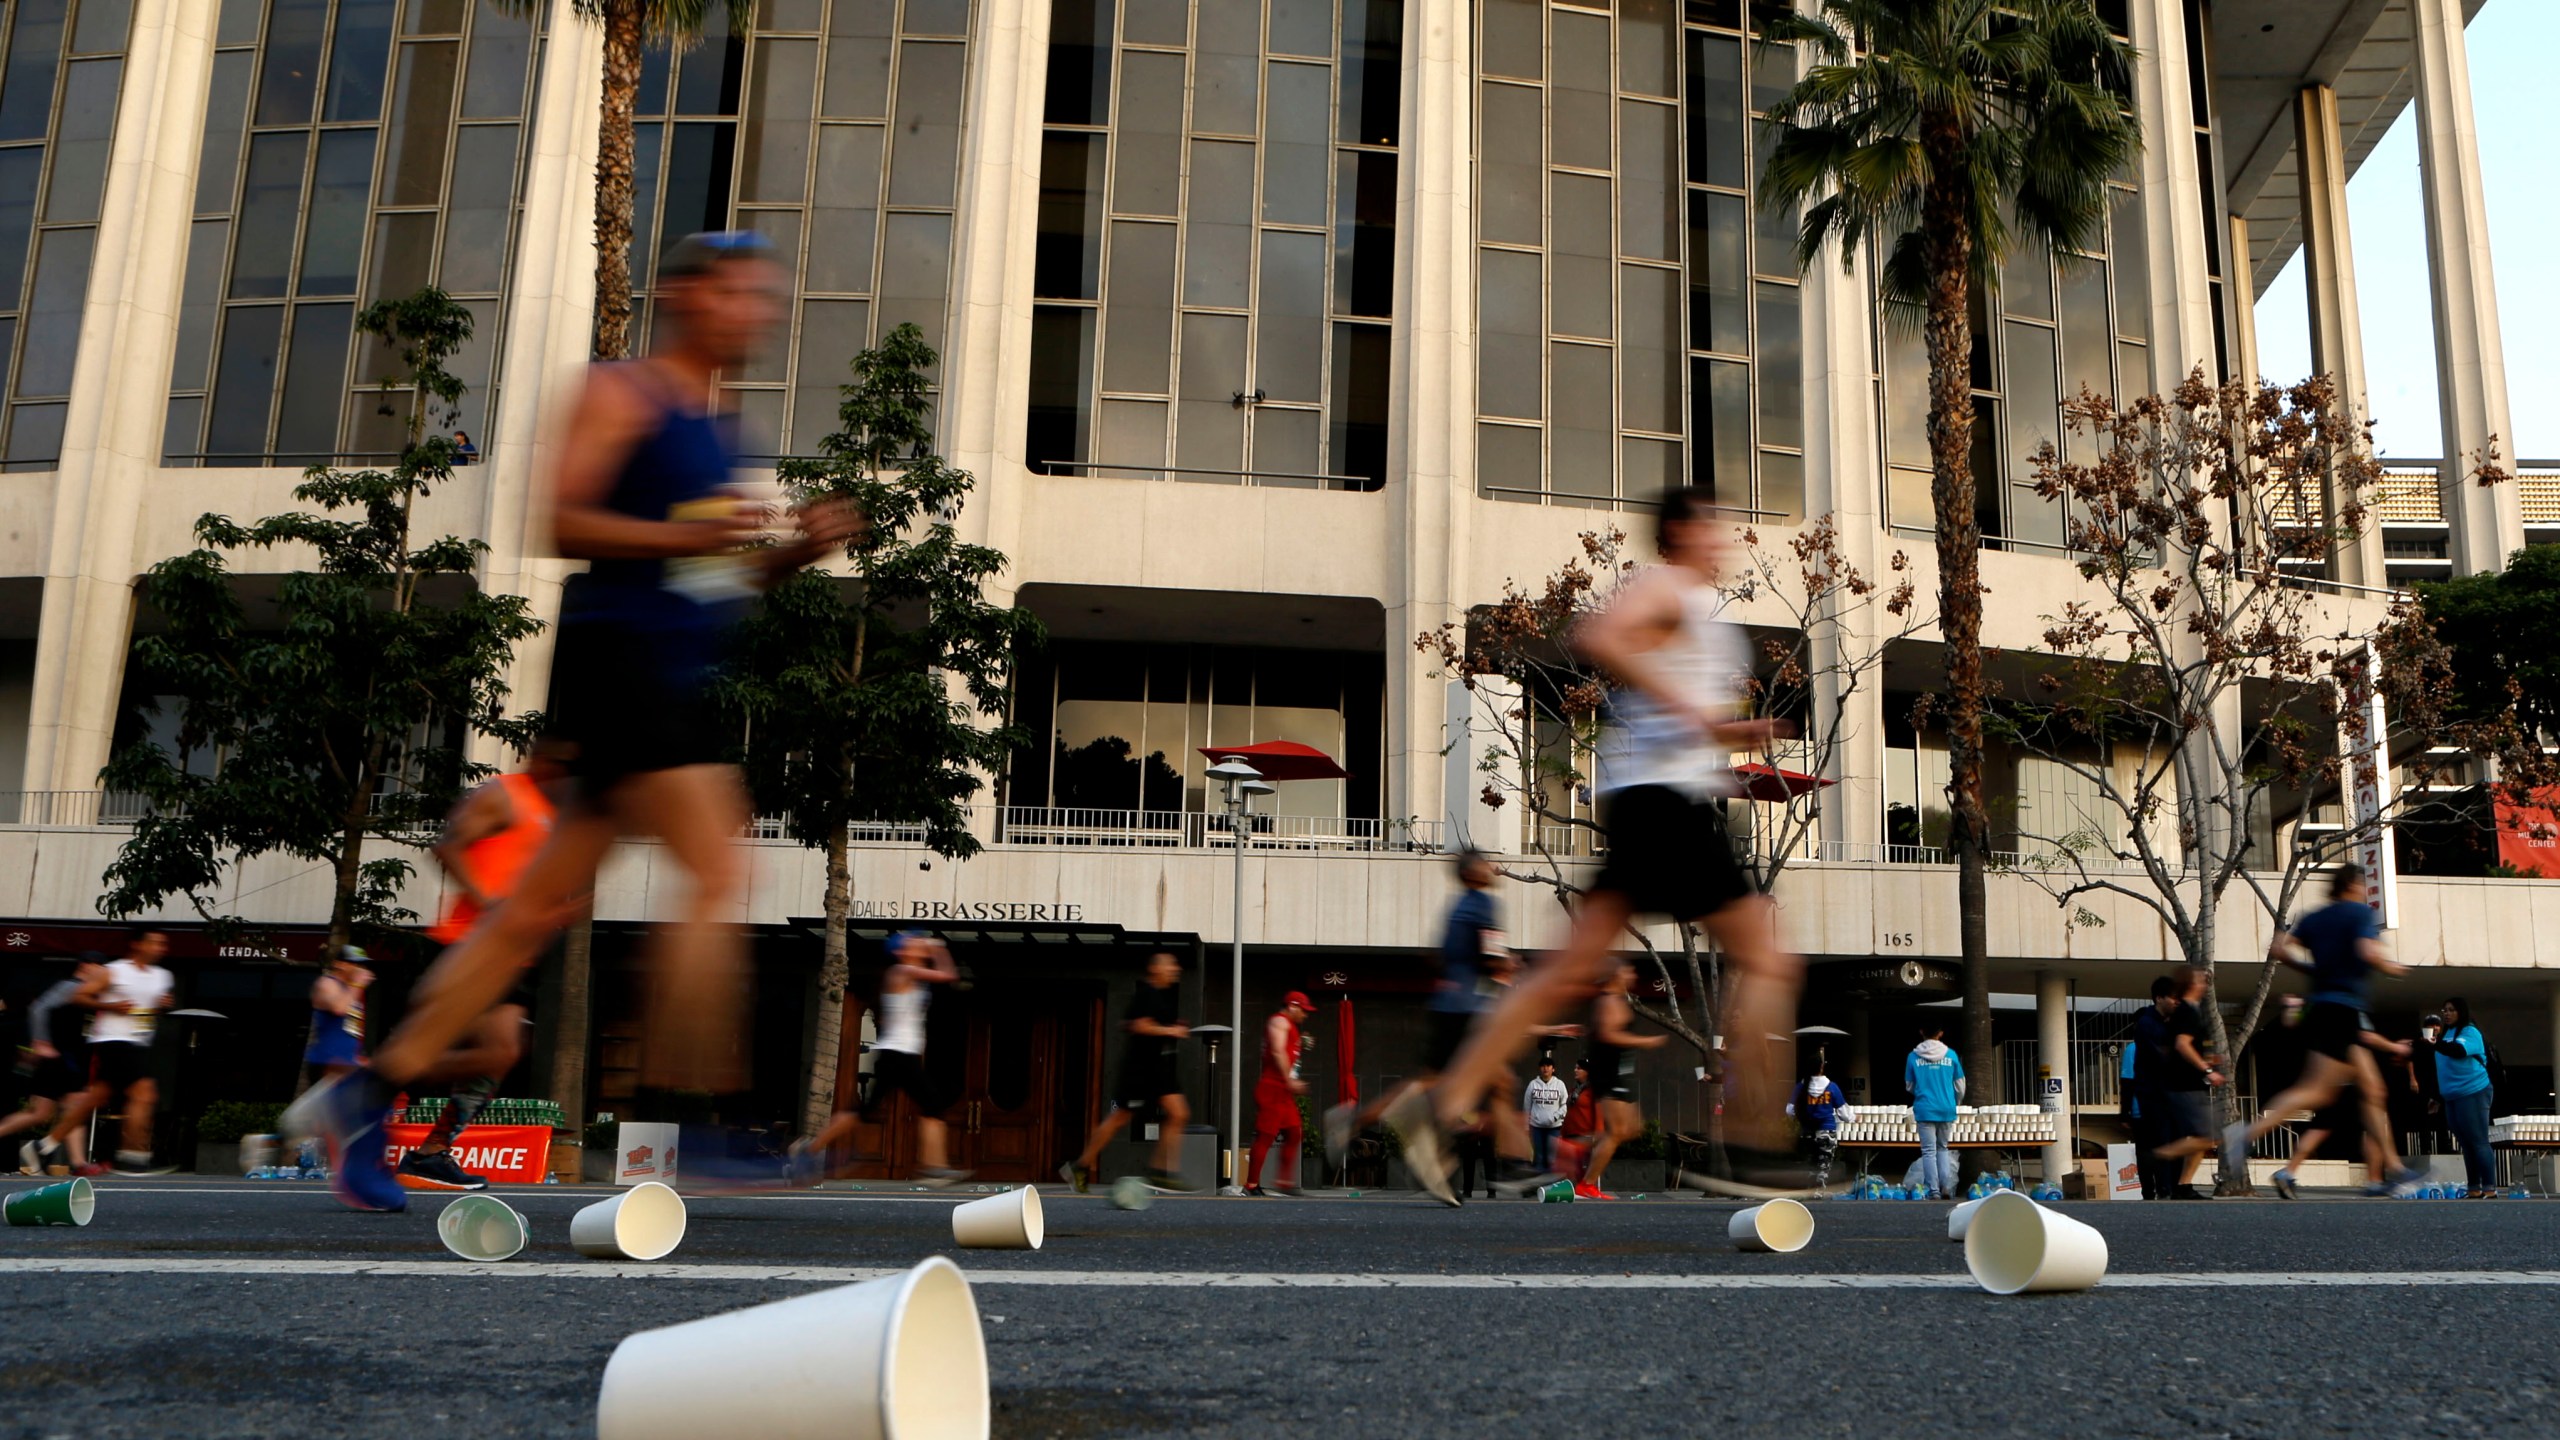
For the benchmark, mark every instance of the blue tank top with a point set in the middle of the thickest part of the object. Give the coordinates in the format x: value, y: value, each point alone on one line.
x: 683, y: 605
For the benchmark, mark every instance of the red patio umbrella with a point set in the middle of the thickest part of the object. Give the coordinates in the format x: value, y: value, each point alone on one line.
x: 1344, y: 1082
x: 1768, y: 782
x: 1280, y: 760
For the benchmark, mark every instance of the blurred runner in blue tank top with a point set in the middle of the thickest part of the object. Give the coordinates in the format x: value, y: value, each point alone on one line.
x: 641, y: 494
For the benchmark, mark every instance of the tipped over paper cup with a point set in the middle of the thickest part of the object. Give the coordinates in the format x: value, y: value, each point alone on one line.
x: 1960, y: 1218
x: 900, y: 1358
x: 645, y: 1222
x: 70, y: 1203
x: 2017, y: 1247
x: 1776, y: 1226
x: 1010, y: 1221
x: 481, y: 1227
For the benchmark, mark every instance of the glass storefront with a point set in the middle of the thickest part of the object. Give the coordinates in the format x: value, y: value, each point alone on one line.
x: 1118, y: 728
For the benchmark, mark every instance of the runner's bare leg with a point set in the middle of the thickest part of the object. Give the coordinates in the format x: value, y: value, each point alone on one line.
x: 1112, y: 1124
x: 1759, y: 1020
x: 698, y: 996
x: 1177, y: 1116
x: 477, y: 971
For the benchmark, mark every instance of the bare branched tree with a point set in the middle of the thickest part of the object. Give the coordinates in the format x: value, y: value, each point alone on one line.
x: 1820, y: 627
x: 2209, y: 694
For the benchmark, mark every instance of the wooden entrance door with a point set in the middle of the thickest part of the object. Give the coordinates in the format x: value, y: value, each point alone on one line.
x: 1000, y: 1125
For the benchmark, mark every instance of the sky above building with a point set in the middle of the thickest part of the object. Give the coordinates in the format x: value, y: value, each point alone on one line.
x: 2509, y: 44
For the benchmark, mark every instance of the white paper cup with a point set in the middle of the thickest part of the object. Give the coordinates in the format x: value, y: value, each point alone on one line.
x: 645, y: 1222
x: 1010, y: 1221
x: 2017, y: 1247
x: 895, y: 1359
x: 1776, y: 1226
x: 1960, y: 1218
x: 481, y: 1227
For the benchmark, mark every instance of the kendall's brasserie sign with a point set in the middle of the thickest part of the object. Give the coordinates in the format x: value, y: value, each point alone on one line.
x: 1018, y: 911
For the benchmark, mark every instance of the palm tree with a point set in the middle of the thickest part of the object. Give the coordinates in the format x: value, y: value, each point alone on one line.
x: 629, y: 27
x: 1945, y: 132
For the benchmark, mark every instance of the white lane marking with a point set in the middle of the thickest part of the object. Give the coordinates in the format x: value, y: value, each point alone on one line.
x: 1229, y: 1280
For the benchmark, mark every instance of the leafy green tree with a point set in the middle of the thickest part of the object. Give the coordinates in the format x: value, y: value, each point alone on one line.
x: 2503, y: 630
x: 1948, y: 133
x: 342, y: 717
x: 872, y: 695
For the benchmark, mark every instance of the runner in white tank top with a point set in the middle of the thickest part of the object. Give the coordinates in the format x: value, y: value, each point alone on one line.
x: 1665, y: 767
x: 916, y: 962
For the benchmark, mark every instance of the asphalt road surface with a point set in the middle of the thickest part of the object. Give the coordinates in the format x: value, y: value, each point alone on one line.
x: 227, y: 1308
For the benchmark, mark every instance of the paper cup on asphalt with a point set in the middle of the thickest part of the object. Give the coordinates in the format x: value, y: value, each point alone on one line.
x: 1131, y: 1193
x: 2017, y: 1247
x: 481, y: 1227
x: 1960, y: 1218
x: 645, y: 1222
x: 900, y: 1358
x: 1010, y: 1221
x: 1776, y: 1226
x: 70, y: 1203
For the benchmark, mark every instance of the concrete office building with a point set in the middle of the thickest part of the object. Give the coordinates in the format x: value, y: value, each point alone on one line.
x: 1276, y: 332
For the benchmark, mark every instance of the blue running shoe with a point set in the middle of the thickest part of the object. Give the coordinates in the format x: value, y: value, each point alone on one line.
x: 349, y: 1122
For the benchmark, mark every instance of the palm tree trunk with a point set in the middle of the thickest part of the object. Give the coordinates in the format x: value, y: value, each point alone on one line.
x: 622, y: 36
x: 1951, y: 489
x: 834, y: 974
x: 569, y: 1024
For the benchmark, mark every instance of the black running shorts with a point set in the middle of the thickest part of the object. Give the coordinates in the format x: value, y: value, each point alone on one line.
x: 622, y: 710
x: 2331, y: 1029
x: 895, y: 1072
x: 1668, y: 854
x: 118, y: 1063
x: 1144, y: 1082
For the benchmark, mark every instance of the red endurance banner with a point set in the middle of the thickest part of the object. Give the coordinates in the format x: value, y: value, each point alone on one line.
x: 506, y: 1154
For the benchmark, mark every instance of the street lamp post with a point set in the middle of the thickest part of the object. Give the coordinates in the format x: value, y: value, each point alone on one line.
x: 1240, y: 783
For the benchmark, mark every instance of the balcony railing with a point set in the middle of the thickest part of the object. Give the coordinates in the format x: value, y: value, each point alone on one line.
x: 1198, y: 830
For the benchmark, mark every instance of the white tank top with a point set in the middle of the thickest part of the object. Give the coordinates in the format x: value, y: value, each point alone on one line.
x: 1706, y: 659
x: 146, y: 989
x: 902, y: 1020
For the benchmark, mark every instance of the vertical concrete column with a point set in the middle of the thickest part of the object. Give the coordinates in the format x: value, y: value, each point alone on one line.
x: 1844, y: 479
x: 1432, y: 396
x: 2244, y: 315
x: 986, y: 357
x: 119, y: 394
x: 551, y: 304
x: 2181, y: 296
x: 2329, y: 271
x: 2486, y: 522
x: 2053, y: 1056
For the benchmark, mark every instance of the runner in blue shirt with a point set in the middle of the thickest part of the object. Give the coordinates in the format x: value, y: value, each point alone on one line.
x: 2339, y: 946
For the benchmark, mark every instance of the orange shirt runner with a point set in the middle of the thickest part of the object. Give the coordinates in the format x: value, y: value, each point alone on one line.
x: 495, y: 862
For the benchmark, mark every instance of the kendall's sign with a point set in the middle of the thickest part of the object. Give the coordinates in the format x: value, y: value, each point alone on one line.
x: 1018, y: 911
x: 504, y: 1154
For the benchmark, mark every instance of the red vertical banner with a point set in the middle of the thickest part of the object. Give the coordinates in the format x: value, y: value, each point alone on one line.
x: 2529, y: 835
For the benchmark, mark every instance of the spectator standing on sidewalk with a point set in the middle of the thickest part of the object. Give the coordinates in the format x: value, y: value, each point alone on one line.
x: 2462, y: 1083
x: 1545, y: 1101
x: 1935, y: 1077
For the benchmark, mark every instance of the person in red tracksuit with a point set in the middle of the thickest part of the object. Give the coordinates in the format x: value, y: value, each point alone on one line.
x: 1275, y: 1094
